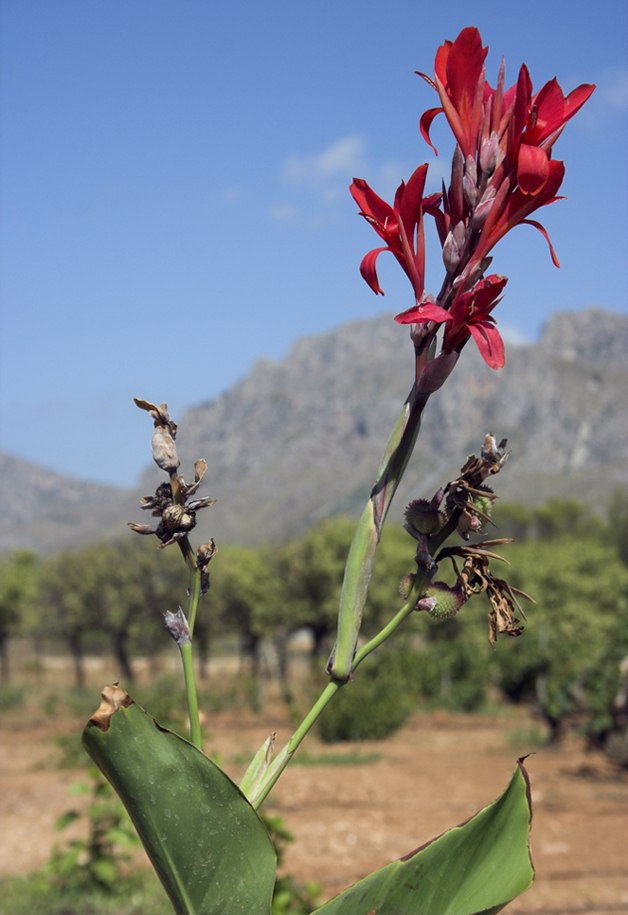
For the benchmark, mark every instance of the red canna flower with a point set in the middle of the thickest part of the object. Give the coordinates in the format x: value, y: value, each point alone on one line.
x: 459, y: 81
x: 505, y: 170
x: 402, y: 228
x: 471, y: 316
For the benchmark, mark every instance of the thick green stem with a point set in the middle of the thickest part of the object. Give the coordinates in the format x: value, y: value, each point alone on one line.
x: 286, y: 754
x: 190, y: 688
x: 368, y: 532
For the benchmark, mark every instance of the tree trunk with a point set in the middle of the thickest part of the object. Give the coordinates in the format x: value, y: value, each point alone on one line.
x: 282, y: 635
x: 4, y: 659
x: 75, y: 642
x: 122, y: 656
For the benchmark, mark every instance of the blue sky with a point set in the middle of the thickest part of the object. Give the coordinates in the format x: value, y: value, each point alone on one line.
x: 175, y: 198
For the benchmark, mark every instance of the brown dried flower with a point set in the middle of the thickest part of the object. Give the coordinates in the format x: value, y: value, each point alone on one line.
x: 170, y: 500
x: 475, y: 577
x: 162, y: 443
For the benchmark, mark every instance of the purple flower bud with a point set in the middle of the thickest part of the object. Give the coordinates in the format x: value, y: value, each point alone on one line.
x: 436, y: 373
x: 451, y: 253
x: 482, y: 210
x: 488, y: 153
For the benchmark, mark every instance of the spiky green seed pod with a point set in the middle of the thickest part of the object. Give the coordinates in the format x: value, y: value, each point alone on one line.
x: 484, y: 504
x: 422, y: 518
x: 405, y: 585
x: 448, y: 600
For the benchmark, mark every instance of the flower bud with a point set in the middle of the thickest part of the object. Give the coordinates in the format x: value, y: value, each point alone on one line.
x: 488, y: 153
x: 470, y: 181
x: 177, y: 626
x: 451, y: 253
x: 483, y: 208
x: 436, y: 373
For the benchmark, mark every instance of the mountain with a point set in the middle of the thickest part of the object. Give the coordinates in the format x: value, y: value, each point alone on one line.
x: 300, y: 439
x: 44, y: 510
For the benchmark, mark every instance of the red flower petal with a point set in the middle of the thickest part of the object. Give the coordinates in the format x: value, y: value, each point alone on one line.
x: 464, y: 67
x: 368, y: 271
x: 410, y: 206
x: 532, y: 169
x: 537, y: 225
x: 421, y: 314
x: 368, y: 201
x: 426, y: 122
x: 490, y: 344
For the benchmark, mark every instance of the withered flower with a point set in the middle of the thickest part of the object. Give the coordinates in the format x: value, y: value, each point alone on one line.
x: 469, y: 494
x: 203, y: 555
x: 162, y: 443
x: 177, y: 626
x: 475, y: 577
x: 170, y: 500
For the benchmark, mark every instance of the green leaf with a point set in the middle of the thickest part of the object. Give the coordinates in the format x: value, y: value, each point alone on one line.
x: 208, y: 846
x: 476, y: 868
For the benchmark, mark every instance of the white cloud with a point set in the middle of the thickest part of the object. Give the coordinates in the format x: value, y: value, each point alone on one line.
x: 284, y: 212
x: 342, y: 158
x: 319, y: 182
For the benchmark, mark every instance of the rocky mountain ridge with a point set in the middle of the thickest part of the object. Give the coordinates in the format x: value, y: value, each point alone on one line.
x: 300, y: 439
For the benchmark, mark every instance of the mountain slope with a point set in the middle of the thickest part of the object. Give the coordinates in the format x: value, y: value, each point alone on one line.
x: 302, y: 438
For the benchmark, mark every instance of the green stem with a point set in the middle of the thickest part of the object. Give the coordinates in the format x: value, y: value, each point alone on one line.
x: 368, y: 532
x: 195, y: 593
x: 286, y: 754
x: 284, y: 757
x: 190, y: 688
x: 388, y: 630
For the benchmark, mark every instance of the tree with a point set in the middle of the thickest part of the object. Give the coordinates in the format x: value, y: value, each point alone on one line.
x: 568, y: 659
x: 19, y: 587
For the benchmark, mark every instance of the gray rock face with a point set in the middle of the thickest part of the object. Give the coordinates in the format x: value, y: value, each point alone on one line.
x: 300, y: 439
x: 297, y: 440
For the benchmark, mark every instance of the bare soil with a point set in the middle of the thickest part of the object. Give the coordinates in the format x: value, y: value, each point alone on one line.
x: 348, y: 820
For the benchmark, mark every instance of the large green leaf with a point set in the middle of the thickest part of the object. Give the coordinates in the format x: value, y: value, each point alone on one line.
x: 209, y: 847
x: 474, y: 869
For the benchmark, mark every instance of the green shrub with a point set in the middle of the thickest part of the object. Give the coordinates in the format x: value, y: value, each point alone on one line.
x: 373, y: 706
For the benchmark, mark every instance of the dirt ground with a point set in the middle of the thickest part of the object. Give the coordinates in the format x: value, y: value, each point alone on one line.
x: 349, y: 820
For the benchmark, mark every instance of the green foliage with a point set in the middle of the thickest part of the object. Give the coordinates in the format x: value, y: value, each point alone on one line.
x: 12, y: 697
x: 289, y: 896
x: 90, y: 875
x: 205, y: 841
x: 371, y: 707
x: 567, y: 660
x: 450, y: 667
x: 478, y: 867
x: 19, y: 588
x: 312, y: 569
x: 98, y: 860
x: 617, y: 533
x: 139, y: 893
